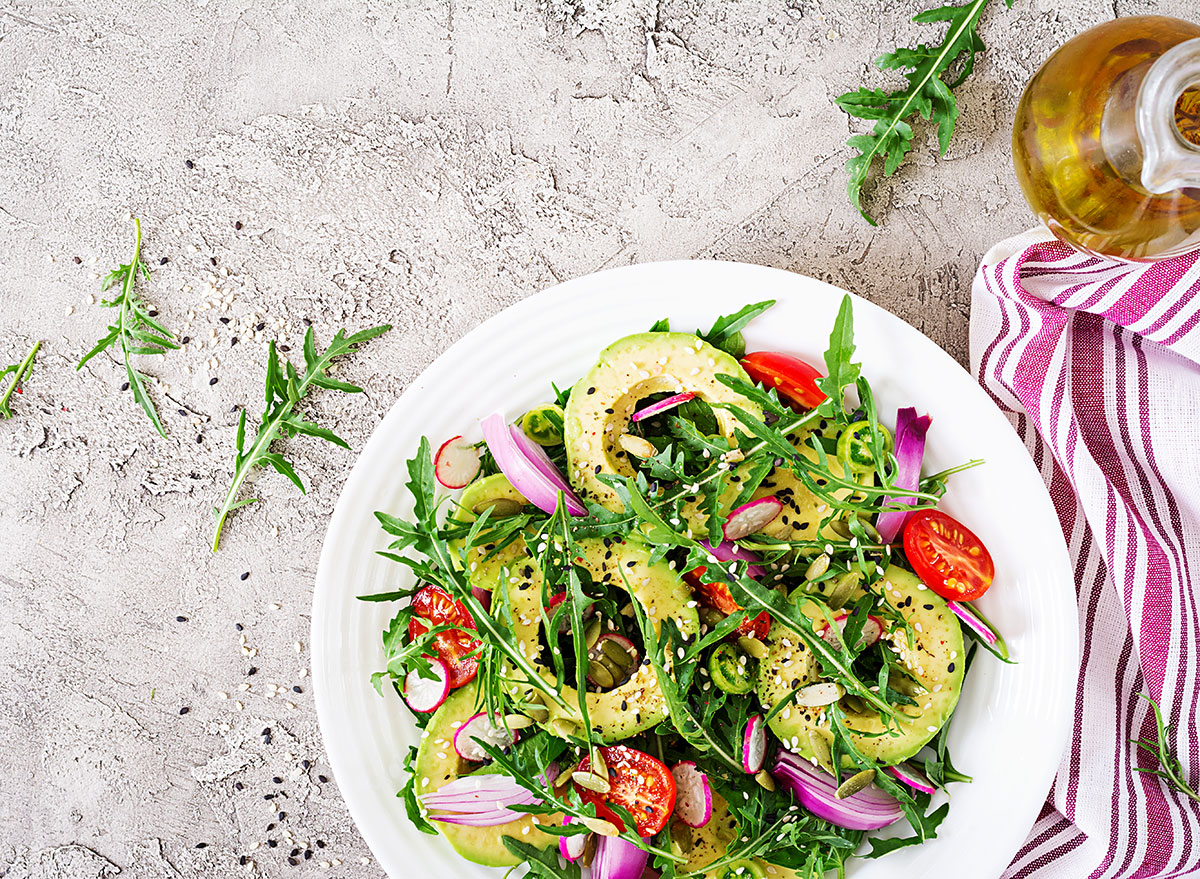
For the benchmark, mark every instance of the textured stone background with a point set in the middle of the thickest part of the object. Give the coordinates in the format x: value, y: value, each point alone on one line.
x: 421, y: 163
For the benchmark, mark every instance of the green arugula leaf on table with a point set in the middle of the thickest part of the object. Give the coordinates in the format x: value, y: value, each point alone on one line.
x: 1169, y: 768
x: 285, y: 388
x: 932, y: 73
x: 19, y: 372
x: 134, y: 331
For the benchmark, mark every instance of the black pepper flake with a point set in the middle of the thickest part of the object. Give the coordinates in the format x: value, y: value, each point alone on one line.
x: 184, y: 710
x: 181, y: 619
x: 213, y: 380
x: 189, y: 164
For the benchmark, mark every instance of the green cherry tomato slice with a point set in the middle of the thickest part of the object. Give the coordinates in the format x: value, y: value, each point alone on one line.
x: 544, y: 424
x: 729, y: 669
x: 854, y: 446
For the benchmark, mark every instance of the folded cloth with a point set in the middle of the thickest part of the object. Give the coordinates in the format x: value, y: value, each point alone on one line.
x: 1097, y: 364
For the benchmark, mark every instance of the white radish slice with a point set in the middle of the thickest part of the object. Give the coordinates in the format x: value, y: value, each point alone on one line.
x: 908, y: 774
x: 456, y: 462
x: 751, y: 517
x: 662, y: 406
x: 693, y: 797
x: 872, y: 631
x: 427, y: 694
x: 571, y: 847
x: 481, y: 726
x: 816, y: 695
x: 754, y: 744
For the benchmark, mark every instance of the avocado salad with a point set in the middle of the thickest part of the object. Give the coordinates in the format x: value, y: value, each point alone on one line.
x: 697, y: 615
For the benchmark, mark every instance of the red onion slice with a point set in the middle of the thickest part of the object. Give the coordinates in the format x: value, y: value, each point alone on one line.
x: 618, y: 859
x: 910, y: 450
x: 752, y: 517
x: 816, y: 790
x: 754, y: 744
x: 908, y: 774
x: 980, y: 626
x: 479, y: 800
x: 728, y: 552
x: 662, y: 406
x: 693, y: 794
x: 527, y: 467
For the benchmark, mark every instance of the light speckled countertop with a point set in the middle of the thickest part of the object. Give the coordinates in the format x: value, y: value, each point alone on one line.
x: 351, y: 163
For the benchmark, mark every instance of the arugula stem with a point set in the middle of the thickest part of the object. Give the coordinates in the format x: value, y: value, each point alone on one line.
x: 5, y: 411
x: 265, y: 437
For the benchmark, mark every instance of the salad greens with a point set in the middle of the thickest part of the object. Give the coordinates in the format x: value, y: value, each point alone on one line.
x: 19, y: 372
x: 826, y: 609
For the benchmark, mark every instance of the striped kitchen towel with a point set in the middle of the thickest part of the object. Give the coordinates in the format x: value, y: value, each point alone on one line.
x: 1097, y: 364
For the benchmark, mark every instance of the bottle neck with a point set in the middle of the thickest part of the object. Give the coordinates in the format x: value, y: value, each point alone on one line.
x: 1162, y: 113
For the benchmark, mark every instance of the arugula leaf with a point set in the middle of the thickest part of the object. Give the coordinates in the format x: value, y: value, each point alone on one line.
x: 135, y: 331
x: 408, y: 793
x: 542, y: 862
x: 881, y: 847
x: 726, y: 331
x: 285, y: 388
x: 927, y: 94
x: 841, y: 372
x: 1169, y: 768
x: 19, y: 373
x: 661, y: 326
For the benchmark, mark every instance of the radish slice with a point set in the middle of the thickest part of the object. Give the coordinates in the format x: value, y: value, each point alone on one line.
x: 816, y: 790
x: 910, y: 450
x: 754, y: 744
x: 484, y: 728
x: 751, y: 517
x: 618, y: 859
x: 727, y: 552
x: 483, y: 597
x: 662, y: 406
x: 872, y: 631
x: 571, y: 847
x: 980, y: 626
x: 527, y: 467
x: 426, y: 694
x: 908, y: 774
x: 693, y: 795
x: 456, y: 463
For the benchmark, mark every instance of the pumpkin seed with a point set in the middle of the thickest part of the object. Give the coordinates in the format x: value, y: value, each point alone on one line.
x: 870, y: 529
x: 753, y: 646
x: 841, y: 590
x: 618, y: 654
x: 563, y: 777
x: 821, y: 750
x: 591, y: 781
x: 818, y: 567
x: 500, y: 507
x: 518, y: 721
x: 852, y: 704
x: 538, y: 713
x: 601, y: 676
x: 765, y: 780
x: 564, y: 728
x: 855, y: 783
x: 816, y: 695
x: 600, y: 765
x: 599, y: 825
x: 592, y: 633
x: 637, y: 446
x: 841, y: 527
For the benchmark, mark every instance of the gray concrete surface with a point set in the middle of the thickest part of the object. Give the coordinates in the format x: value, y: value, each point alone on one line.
x: 347, y: 163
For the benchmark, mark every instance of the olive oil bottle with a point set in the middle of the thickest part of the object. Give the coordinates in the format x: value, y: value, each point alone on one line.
x: 1106, y: 141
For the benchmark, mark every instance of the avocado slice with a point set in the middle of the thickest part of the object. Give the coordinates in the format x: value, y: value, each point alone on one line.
x: 936, y: 661
x: 438, y: 764
x: 703, y: 845
x: 628, y: 371
x: 634, y: 706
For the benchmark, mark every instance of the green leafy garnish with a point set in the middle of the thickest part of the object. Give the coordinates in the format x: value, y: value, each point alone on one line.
x: 19, y: 372
x: 1169, y: 769
x: 726, y: 332
x: 285, y: 388
x: 932, y: 73
x: 134, y: 331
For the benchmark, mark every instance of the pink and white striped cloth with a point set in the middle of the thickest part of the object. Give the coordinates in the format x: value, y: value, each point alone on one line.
x: 1097, y: 364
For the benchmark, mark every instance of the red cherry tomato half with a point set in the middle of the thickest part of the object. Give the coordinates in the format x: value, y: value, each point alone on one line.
x: 795, y: 380
x: 944, y: 553
x: 639, y: 783
x: 452, y: 646
x: 717, y: 596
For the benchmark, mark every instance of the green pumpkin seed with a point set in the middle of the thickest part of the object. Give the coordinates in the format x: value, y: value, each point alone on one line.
x: 852, y: 704
x: 870, y: 529
x: 601, y: 676
x: 593, y: 782
x: 821, y: 751
x: 765, y: 780
x: 753, y: 647
x: 564, y: 728
x: 818, y: 567
x: 592, y: 633
x: 636, y: 446
x: 841, y: 527
x: 855, y: 783
x: 816, y: 695
x: 618, y: 654
x: 500, y: 507
x: 518, y: 721
x: 599, y: 825
x: 843, y: 587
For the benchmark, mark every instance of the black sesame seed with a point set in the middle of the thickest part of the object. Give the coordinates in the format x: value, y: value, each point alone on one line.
x: 293, y: 862
x: 277, y: 780
x: 297, y: 690
x: 266, y: 731
x: 285, y: 348
x: 307, y: 854
x: 185, y: 339
x: 281, y: 815
x: 306, y: 763
x: 78, y: 260
x: 213, y: 259
x: 237, y: 785
x: 246, y: 576
x: 213, y: 380
x: 124, y: 386
x: 238, y: 225
x: 950, y: 667
x: 184, y: 710
x: 181, y: 619
x: 181, y: 411
x: 270, y: 827
x: 223, y: 320
x: 323, y: 780
x: 199, y: 438
x: 591, y: 391
x: 597, y: 468
x: 189, y: 164
x: 153, y: 313
x: 272, y: 842
x: 321, y: 842
x: 262, y: 325
x: 233, y: 341
x: 253, y: 670
x: 164, y: 260
x: 242, y: 861
x: 295, y: 852
x: 268, y: 796
x: 238, y: 626
x: 202, y: 845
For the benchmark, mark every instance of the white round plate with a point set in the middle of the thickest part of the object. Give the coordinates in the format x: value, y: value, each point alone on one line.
x: 1012, y: 723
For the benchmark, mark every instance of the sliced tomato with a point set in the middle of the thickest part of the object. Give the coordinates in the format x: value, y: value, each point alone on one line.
x: 639, y: 783
x: 717, y: 596
x: 795, y: 380
x: 944, y: 553
x: 453, y: 647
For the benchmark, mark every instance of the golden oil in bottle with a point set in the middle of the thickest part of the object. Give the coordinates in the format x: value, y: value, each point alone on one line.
x: 1106, y: 141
